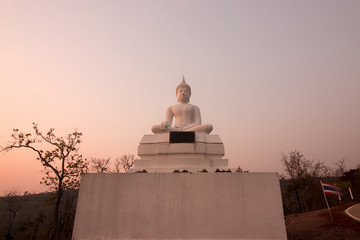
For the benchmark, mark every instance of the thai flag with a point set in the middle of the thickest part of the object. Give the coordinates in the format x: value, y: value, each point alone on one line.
x: 330, y: 189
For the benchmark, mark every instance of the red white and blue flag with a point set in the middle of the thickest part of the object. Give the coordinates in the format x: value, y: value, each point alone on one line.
x: 330, y: 189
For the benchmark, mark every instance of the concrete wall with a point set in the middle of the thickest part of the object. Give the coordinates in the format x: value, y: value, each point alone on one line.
x: 180, y: 206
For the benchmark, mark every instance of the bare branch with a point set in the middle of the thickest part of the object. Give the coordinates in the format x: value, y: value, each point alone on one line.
x: 100, y: 165
x: 125, y: 162
x: 302, y: 172
x: 63, y: 152
x: 340, y: 171
x: 13, y: 203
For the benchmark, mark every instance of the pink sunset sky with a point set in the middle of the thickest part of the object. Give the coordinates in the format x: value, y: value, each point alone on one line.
x: 270, y: 76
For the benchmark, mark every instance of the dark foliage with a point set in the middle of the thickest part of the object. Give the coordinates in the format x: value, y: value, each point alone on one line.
x: 36, y: 216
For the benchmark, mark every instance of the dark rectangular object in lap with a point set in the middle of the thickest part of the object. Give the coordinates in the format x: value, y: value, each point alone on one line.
x: 182, y: 137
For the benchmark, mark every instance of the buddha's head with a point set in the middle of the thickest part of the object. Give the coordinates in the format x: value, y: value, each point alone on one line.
x: 183, y: 92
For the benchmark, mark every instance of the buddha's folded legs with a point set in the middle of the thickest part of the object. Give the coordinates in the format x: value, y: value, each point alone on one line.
x: 159, y: 129
x: 203, y: 128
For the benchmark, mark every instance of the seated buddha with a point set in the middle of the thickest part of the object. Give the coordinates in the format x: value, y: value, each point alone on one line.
x: 187, y: 116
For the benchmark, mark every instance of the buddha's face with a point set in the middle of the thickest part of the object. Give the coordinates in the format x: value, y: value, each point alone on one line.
x: 183, y: 95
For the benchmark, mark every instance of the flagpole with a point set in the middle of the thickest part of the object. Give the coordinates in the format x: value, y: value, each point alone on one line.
x: 352, y: 198
x: 327, y: 204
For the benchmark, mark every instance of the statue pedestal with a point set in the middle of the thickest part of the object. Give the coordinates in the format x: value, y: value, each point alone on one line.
x: 180, y: 151
x: 203, y: 206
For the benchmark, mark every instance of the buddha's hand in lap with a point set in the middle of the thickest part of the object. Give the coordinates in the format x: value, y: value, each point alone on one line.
x: 163, y: 125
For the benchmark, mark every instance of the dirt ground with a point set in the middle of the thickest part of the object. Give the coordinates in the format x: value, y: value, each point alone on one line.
x: 317, y: 225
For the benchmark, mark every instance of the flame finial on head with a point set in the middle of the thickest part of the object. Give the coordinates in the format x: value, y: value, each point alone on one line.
x: 183, y: 84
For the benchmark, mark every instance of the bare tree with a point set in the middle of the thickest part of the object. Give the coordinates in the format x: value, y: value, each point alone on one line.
x: 125, y: 162
x: 63, y: 166
x: 14, y: 202
x: 117, y: 165
x: 100, y: 165
x: 340, y: 170
x: 302, y: 173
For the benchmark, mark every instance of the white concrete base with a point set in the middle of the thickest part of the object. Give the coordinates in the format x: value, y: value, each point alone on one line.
x: 179, y: 206
x: 157, y: 152
x: 181, y: 169
x: 181, y: 163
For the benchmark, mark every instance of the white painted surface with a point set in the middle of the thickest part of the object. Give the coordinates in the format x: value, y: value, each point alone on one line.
x: 187, y: 116
x: 164, y: 137
x: 354, y: 212
x: 156, y: 152
x: 179, y: 206
x: 176, y: 163
x: 159, y: 146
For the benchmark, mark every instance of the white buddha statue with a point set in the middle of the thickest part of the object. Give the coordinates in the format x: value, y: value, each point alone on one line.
x: 187, y: 116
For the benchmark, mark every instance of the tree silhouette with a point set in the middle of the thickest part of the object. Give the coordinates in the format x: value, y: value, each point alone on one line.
x: 125, y: 162
x: 63, y: 166
x: 302, y: 173
x: 341, y: 169
x: 14, y: 202
x: 100, y: 165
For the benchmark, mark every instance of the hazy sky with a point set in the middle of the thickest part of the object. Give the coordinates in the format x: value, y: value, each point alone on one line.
x: 270, y: 76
